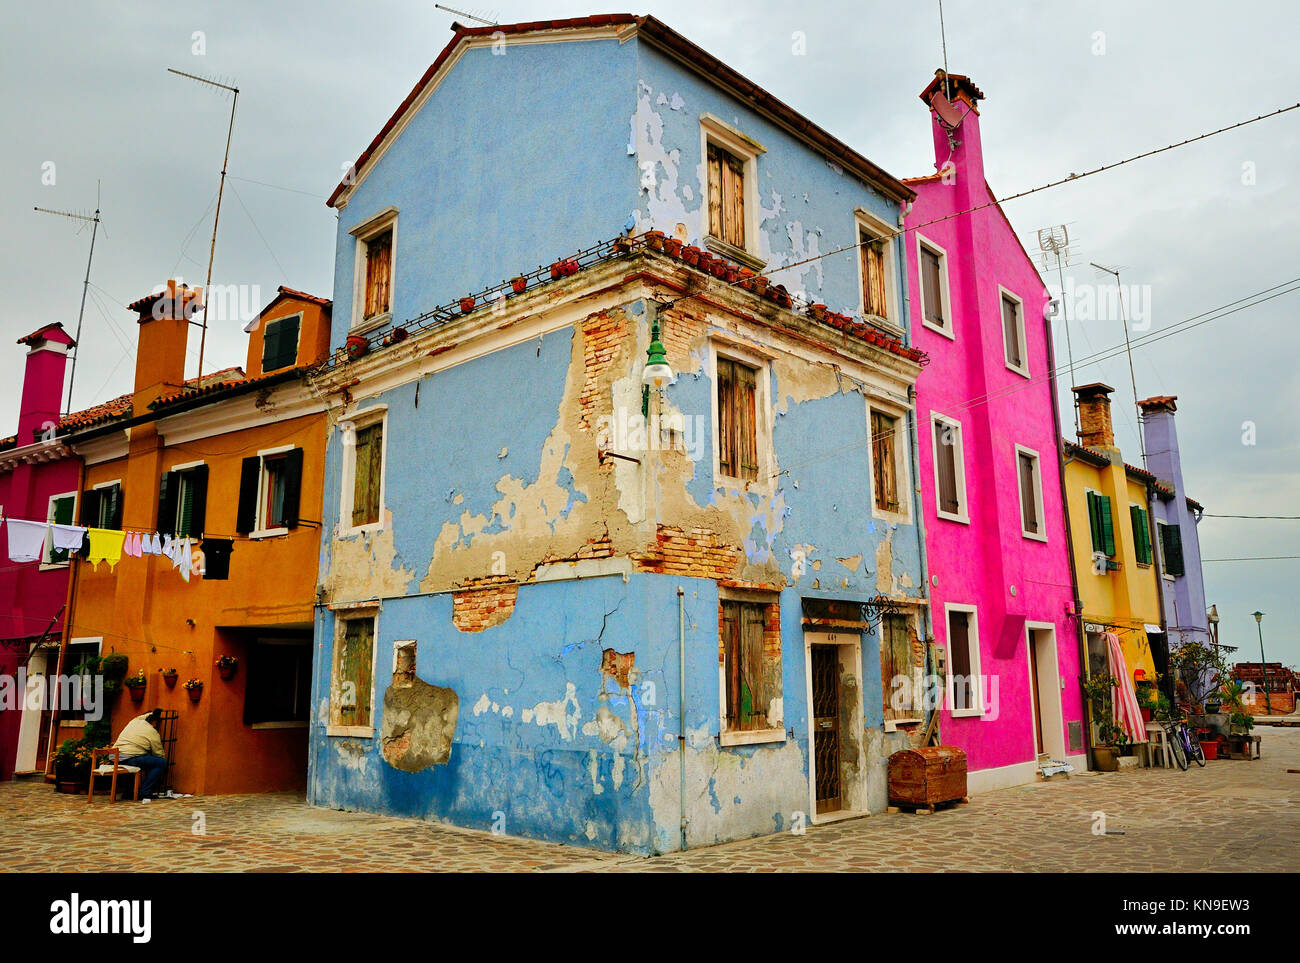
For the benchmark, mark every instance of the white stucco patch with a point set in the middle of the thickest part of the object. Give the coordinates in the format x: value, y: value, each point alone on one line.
x: 558, y: 713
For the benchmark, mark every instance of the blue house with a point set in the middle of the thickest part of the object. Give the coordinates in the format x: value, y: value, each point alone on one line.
x: 622, y: 539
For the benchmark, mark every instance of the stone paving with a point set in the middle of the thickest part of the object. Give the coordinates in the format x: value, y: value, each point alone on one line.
x: 1230, y: 816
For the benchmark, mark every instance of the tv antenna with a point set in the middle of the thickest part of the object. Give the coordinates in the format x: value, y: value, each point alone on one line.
x: 1054, y: 242
x: 1128, y: 348
x: 93, y: 221
x: 216, y: 219
x: 462, y: 13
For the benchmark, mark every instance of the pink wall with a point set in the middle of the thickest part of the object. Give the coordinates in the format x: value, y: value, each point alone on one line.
x: 979, y: 563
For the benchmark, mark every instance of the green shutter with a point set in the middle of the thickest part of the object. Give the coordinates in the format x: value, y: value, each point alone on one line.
x: 1171, y: 543
x: 1107, y: 526
x: 185, y: 507
x: 1094, y: 522
x: 369, y: 474
x: 1141, y: 533
x: 61, y: 515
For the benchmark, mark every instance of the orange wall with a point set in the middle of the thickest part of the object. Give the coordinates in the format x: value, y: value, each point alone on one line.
x: 313, y: 332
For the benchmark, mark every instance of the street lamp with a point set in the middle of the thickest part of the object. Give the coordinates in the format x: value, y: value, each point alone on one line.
x: 657, y: 371
x: 1263, y: 663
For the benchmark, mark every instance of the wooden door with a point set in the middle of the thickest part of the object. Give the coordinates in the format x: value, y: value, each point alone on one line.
x: 826, y: 727
x: 1034, y: 685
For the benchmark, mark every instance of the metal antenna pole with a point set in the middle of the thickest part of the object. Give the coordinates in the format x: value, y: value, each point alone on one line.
x: 94, y: 230
x: 1128, y: 347
x: 216, y: 219
x: 1069, y: 348
x: 462, y: 13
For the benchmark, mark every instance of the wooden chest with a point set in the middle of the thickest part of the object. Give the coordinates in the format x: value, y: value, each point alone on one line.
x: 926, y: 776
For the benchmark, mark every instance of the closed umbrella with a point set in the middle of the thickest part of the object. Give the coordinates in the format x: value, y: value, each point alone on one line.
x: 1128, y: 714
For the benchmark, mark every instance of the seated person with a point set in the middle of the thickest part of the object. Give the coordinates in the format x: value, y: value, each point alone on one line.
x: 140, y: 745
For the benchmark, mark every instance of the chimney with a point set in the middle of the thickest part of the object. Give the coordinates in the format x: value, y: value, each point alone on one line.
x: 1096, y: 430
x: 164, y: 318
x: 1161, y: 438
x: 954, y: 121
x: 47, y: 356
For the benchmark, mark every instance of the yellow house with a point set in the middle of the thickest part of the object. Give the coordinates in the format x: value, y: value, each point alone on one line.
x: 1110, y: 523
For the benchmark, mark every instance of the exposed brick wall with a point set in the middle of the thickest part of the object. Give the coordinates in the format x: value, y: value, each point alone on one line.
x: 490, y: 601
x: 679, y: 330
x: 697, y: 553
x: 604, y: 338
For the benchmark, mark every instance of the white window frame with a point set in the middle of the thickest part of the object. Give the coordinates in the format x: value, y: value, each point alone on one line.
x: 182, y: 469
x: 766, y: 481
x: 902, y: 476
x: 747, y: 737
x: 913, y: 622
x: 297, y: 344
x: 945, y: 297
x: 98, y: 642
x: 744, y: 148
x: 959, y: 460
x: 259, y: 519
x: 973, y: 640
x: 1041, y: 535
x: 48, y: 548
x: 341, y: 618
x: 363, y: 233
x: 348, y: 428
x: 1023, y: 370
x: 879, y: 228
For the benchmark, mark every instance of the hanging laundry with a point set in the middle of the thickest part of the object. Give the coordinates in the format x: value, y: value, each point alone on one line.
x: 166, y: 551
x: 128, y: 545
x: 26, y: 539
x: 67, y: 538
x: 182, y: 559
x: 105, y: 546
x: 216, y: 557
x: 155, y: 546
x: 83, y: 552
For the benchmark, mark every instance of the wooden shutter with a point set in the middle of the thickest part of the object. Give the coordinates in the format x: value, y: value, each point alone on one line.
x: 356, y: 665
x: 280, y: 344
x: 1028, y: 499
x: 90, y: 506
x: 959, y: 656
x: 1141, y: 533
x: 753, y: 688
x: 369, y: 469
x: 733, y: 200
x: 747, y: 421
x: 250, y: 477
x: 1171, y: 543
x: 112, y: 516
x: 883, y: 461
x: 1107, y: 525
x: 167, y: 493
x: 895, y: 660
x: 731, y: 660
x: 727, y: 462
x: 271, y: 346
x: 1011, y: 332
x: 945, y: 458
x: 715, y: 192
x: 931, y: 291
x: 62, y: 512
x: 292, y: 487
x: 874, y: 302
x: 198, y: 486
x: 379, y: 257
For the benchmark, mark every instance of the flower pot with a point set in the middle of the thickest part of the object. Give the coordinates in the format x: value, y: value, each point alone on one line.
x: 733, y: 274
x: 760, y: 284
x: 170, y: 679
x: 672, y: 247
x: 718, y: 268
x: 227, y: 671
x: 357, y: 346
x: 518, y: 284
x: 556, y: 270
x: 655, y: 239
x: 818, y: 311
x: 1212, y: 708
x: 195, y: 694
x: 691, y: 255
x: 69, y: 786
x: 137, y: 692
x: 1105, y: 758
x: 1146, y: 714
x: 1210, y: 747
x: 466, y: 305
x: 622, y: 244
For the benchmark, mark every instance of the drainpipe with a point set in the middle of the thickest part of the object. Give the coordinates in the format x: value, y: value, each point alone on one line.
x: 918, y: 512
x: 69, y: 612
x: 681, y: 704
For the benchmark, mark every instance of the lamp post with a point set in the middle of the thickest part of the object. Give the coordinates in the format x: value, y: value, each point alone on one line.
x: 1263, y: 663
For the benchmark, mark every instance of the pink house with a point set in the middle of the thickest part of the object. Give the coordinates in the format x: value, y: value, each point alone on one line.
x: 39, y: 479
x: 1001, y: 587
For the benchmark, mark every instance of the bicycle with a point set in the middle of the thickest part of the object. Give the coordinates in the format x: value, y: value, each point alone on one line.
x: 1182, y: 744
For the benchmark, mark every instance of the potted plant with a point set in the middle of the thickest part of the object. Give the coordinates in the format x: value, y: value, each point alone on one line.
x: 395, y: 336
x: 357, y: 346
x: 760, y: 284
x: 195, y: 688
x: 1210, y: 748
x: 227, y: 665
x: 818, y: 311
x: 113, y: 667
x: 622, y: 244
x: 1147, y: 699
x: 1111, y: 737
x: 466, y: 305
x: 136, y: 685
x: 1240, y: 723
x: 170, y: 676
x: 672, y: 246
x: 518, y: 284
x: 72, y: 765
x: 691, y: 255
x: 655, y: 239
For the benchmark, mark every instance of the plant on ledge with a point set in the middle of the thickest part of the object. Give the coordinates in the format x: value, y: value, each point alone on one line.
x: 72, y: 764
x: 195, y: 688
x: 227, y: 665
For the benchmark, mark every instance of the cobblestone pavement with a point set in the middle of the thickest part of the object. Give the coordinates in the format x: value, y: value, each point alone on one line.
x: 1229, y: 816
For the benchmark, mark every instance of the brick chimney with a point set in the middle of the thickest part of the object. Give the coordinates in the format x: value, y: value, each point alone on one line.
x: 164, y: 318
x: 47, y: 357
x: 1095, y: 427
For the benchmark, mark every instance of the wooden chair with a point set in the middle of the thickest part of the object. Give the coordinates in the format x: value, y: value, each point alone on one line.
x: 104, y: 769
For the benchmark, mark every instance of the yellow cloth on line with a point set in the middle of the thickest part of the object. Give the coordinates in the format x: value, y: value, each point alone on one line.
x: 105, y: 546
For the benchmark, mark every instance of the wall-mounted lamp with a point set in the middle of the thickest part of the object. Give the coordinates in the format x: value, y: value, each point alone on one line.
x: 657, y: 372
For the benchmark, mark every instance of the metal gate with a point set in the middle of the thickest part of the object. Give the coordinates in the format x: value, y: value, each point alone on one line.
x: 826, y: 726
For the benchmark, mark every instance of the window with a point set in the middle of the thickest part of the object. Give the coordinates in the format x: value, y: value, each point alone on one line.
x: 279, y: 682
x: 61, y: 511
x: 1101, y: 524
x: 368, y: 474
x: 1171, y: 548
x: 750, y: 656
x: 737, y: 408
x: 949, y: 470
x: 183, y: 501
x: 884, y: 461
x: 933, y: 264
x: 101, y: 507
x: 379, y: 267
x: 875, y: 301
x: 1141, y: 533
x: 82, y: 662
x: 897, y: 658
x: 1029, y: 473
x: 1013, y: 333
x: 354, y: 659
x: 726, y: 196
x: 270, y: 487
x: 964, y: 684
x: 280, y: 343
x: 373, y: 270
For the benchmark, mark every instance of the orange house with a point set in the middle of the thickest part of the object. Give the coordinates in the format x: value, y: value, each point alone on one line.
x: 234, y: 464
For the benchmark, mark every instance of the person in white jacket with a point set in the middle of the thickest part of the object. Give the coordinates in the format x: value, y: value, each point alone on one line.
x: 141, y: 745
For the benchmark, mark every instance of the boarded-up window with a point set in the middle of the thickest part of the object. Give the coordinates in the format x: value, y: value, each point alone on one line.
x: 1029, y: 519
x: 354, y: 659
x: 368, y: 477
x: 726, y: 196
x: 751, y: 663
x: 1011, y: 332
x: 874, y: 285
x: 884, y: 462
x: 965, y: 688
x: 737, y: 419
x: 896, y: 662
x: 947, y: 442
x: 931, y: 287
x: 379, y: 274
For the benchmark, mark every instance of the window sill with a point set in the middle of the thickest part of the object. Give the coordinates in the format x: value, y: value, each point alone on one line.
x: 370, y: 324
x: 369, y: 529
x: 1142, y: 564
x: 892, y: 517
x: 737, y: 254
x: 51, y: 566
x: 962, y: 519
x: 741, y: 485
x: 268, y: 533
x: 876, y: 321
x: 1023, y: 370
x: 891, y: 725
x: 1034, y: 536
x: 72, y: 723
x: 966, y: 713
x: 351, y: 732
x: 945, y: 330
x: 292, y: 725
x: 749, y: 737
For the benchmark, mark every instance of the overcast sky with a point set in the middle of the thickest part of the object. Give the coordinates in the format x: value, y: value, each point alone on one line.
x: 1069, y: 86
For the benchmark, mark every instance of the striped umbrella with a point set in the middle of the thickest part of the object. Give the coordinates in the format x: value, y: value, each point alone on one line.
x: 1128, y: 713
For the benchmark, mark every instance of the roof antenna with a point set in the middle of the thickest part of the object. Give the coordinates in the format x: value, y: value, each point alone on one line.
x: 1055, y: 241
x: 93, y: 220
x: 462, y: 13
x: 943, y: 41
x: 216, y: 219
x: 1128, y: 347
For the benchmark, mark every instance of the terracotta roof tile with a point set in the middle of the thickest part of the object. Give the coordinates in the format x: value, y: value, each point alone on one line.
x: 121, y: 405
x: 40, y: 335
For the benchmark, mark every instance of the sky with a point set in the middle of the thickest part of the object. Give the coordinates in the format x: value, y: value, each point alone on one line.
x: 92, y: 112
